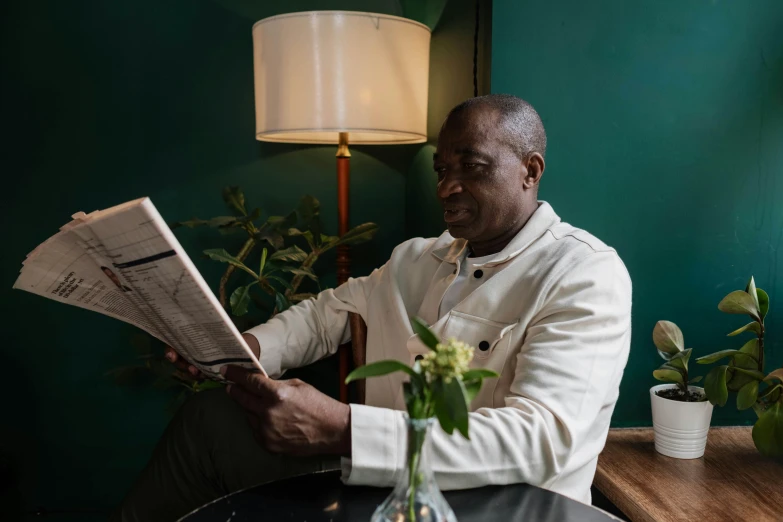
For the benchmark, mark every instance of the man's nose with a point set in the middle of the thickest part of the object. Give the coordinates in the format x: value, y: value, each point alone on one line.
x: 447, y: 186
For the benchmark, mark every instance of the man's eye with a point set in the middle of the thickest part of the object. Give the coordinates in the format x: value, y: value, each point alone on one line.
x: 470, y: 165
x: 439, y: 168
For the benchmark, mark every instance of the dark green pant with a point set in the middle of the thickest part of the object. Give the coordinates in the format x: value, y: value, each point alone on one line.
x: 206, y: 452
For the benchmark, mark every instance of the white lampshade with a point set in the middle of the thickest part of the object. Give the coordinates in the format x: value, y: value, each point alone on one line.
x: 319, y: 73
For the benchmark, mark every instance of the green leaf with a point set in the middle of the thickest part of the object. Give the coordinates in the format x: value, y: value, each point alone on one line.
x: 774, y: 374
x: 695, y: 380
x: 667, y: 375
x: 306, y: 234
x: 478, y: 373
x: 763, y: 302
x: 747, y: 395
x: 771, y: 390
x: 755, y: 374
x: 270, y: 236
x: 715, y: 386
x: 261, y: 267
x: 667, y: 337
x: 768, y: 432
x: 713, y: 357
x: 239, y: 300
x: 472, y: 388
x: 680, y: 361
x: 451, y: 406
x: 206, y: 385
x: 282, y: 281
x: 441, y: 406
x: 418, y: 387
x: 249, y: 218
x: 281, y: 302
x: 458, y: 399
x: 300, y: 271
x: 294, y: 254
x: 751, y: 348
x: 425, y: 334
x: 753, y: 326
x: 220, y: 254
x: 235, y: 199
x: 325, y: 240
x: 414, y: 402
x: 746, y: 359
x: 309, y: 208
x: 356, y: 235
x: 379, y: 368
x: 739, y: 302
x: 280, y: 222
x: 750, y: 289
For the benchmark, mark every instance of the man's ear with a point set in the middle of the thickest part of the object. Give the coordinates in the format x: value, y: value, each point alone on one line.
x: 535, y: 169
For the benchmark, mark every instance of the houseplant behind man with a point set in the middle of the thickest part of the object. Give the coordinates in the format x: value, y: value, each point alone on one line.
x: 548, y: 307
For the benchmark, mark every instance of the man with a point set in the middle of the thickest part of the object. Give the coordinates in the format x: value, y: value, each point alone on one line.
x: 546, y: 305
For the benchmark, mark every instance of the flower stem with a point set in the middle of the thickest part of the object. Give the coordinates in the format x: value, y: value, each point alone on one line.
x: 413, y: 464
x: 416, y: 441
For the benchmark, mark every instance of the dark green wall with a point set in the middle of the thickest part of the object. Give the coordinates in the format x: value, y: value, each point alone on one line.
x: 665, y: 126
x: 103, y: 102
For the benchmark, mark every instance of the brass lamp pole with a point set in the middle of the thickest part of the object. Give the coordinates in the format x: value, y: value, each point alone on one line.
x: 343, y: 251
x: 320, y: 75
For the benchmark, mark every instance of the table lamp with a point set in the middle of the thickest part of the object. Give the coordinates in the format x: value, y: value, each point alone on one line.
x: 340, y: 77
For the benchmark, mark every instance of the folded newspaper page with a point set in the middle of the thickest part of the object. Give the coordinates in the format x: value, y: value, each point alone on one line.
x: 125, y: 262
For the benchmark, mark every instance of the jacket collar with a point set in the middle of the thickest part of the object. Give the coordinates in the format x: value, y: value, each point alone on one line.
x: 542, y: 220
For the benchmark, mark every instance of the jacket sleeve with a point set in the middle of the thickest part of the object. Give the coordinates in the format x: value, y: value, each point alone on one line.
x: 567, y: 371
x: 314, y: 328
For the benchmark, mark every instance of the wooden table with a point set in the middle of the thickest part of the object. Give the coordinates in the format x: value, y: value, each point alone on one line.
x: 732, y: 482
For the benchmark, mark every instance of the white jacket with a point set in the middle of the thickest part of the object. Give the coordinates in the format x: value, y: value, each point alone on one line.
x: 557, y: 318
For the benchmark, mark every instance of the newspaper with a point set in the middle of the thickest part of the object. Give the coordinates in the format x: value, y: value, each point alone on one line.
x: 125, y: 262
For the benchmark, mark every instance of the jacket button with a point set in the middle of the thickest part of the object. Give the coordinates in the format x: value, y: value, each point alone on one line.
x: 483, y: 346
x: 419, y: 357
x: 478, y: 274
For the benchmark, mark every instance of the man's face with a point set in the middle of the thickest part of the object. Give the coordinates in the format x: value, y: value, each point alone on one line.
x: 480, y: 177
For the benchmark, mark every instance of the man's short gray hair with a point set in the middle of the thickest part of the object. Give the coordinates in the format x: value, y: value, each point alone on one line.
x: 523, y: 125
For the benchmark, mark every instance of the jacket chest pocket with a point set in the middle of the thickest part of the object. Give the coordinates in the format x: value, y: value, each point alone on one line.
x: 491, y: 340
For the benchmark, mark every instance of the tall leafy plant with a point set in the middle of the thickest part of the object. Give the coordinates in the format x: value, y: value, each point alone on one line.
x: 283, y: 251
x: 745, y: 375
x: 283, y: 265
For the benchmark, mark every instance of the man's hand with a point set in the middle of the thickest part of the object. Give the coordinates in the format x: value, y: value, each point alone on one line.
x: 291, y: 416
x: 182, y: 364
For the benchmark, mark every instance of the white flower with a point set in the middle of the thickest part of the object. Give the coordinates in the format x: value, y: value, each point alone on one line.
x: 447, y: 360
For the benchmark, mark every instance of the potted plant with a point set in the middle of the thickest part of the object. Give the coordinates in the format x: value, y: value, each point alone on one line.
x: 745, y: 375
x: 681, y: 413
x: 267, y: 273
x: 441, y: 386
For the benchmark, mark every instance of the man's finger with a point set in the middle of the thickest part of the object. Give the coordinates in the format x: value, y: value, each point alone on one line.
x: 246, y: 400
x: 170, y: 354
x: 249, y: 380
x: 181, y: 363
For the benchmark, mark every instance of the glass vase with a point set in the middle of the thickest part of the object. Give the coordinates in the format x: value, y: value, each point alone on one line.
x: 416, y: 497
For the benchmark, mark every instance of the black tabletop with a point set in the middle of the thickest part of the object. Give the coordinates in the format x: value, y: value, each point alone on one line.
x: 322, y: 497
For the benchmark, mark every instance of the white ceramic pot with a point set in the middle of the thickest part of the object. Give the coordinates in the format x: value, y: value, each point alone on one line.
x: 680, y: 427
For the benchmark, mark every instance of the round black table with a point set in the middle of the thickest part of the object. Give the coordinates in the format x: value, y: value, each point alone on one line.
x: 322, y: 497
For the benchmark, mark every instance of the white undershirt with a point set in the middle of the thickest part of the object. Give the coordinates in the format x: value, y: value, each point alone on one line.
x: 466, y: 281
